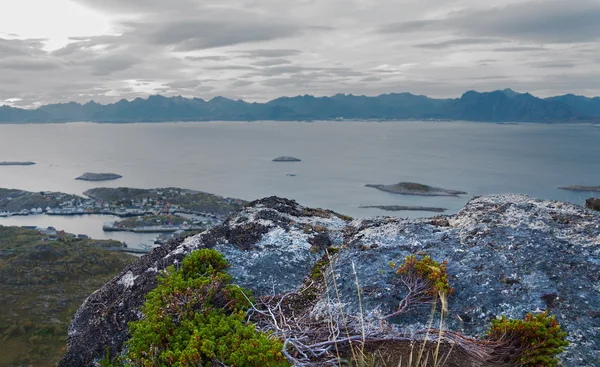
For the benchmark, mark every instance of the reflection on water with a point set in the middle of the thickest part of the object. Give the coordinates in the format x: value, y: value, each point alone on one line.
x: 90, y: 225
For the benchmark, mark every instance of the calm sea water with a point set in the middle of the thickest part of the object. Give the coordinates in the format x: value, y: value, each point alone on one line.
x: 338, y: 159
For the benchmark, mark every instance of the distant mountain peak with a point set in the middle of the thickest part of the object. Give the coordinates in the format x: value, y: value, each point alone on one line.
x: 510, y: 93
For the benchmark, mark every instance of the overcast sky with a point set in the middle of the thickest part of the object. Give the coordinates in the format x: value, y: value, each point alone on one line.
x: 257, y: 50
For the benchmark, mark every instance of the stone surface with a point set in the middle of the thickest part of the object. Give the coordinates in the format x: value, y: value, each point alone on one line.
x: 593, y: 203
x: 507, y: 254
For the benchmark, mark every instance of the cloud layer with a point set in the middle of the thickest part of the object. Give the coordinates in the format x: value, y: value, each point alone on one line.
x: 261, y: 49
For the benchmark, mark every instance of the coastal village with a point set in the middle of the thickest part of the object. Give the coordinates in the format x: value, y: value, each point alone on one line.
x: 140, y: 211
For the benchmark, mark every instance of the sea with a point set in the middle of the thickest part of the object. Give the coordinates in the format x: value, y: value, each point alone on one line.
x: 339, y: 158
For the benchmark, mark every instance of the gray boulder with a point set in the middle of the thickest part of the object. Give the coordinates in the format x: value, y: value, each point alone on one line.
x: 507, y: 254
x: 593, y: 203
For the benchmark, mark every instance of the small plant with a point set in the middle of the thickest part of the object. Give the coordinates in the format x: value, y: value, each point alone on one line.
x: 426, y: 280
x: 196, y: 317
x: 538, y: 339
x: 434, y: 273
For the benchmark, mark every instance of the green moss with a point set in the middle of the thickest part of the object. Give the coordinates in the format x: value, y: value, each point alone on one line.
x: 196, y: 317
x: 537, y: 339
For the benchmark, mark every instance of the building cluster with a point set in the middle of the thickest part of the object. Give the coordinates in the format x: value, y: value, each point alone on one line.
x: 138, y: 207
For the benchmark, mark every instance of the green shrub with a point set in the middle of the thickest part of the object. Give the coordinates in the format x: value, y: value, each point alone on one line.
x: 196, y: 317
x: 537, y: 338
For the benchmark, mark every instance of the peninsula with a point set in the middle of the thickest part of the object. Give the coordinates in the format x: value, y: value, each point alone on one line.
x: 581, y: 188
x: 286, y: 159
x: 17, y: 163
x: 98, y: 176
x: 400, y: 208
x: 411, y: 188
x: 122, y: 202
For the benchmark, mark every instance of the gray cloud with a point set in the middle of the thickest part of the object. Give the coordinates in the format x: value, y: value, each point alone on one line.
x: 110, y: 64
x: 199, y: 34
x: 459, y: 42
x: 519, y: 49
x: 29, y: 64
x: 370, y: 79
x: 553, y: 64
x: 230, y: 67
x: 184, y: 84
x: 207, y: 58
x: 242, y: 83
x: 271, y: 53
x: 272, y: 62
x: 549, y: 21
x: 20, y: 47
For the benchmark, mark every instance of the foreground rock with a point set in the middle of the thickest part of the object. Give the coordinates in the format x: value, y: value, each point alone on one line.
x: 411, y: 188
x: 581, y: 188
x: 98, y: 176
x: 286, y: 159
x: 400, y: 208
x: 507, y: 254
x: 593, y: 203
x: 17, y: 163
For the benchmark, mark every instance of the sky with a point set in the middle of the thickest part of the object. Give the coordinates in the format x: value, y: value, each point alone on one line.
x: 257, y: 50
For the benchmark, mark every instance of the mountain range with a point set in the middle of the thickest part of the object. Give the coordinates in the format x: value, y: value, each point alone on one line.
x: 497, y: 106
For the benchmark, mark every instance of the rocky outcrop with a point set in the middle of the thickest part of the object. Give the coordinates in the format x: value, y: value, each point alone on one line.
x: 507, y: 254
x: 286, y: 159
x: 17, y: 163
x: 98, y: 176
x: 593, y: 203
x: 401, y: 208
x: 412, y: 188
x: 581, y: 188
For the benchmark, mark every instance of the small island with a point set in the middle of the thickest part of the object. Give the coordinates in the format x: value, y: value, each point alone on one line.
x: 98, y: 176
x: 411, y: 188
x: 399, y: 208
x: 17, y: 163
x: 581, y: 188
x: 286, y: 159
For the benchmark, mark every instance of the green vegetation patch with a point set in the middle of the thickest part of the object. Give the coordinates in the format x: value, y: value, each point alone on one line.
x: 42, y: 283
x: 197, y: 317
x: 536, y: 340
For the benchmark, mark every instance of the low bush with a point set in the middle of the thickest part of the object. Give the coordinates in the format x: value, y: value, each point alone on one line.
x: 537, y: 339
x: 196, y: 317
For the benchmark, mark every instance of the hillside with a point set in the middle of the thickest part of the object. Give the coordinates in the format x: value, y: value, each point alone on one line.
x: 42, y: 282
x: 500, y: 106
